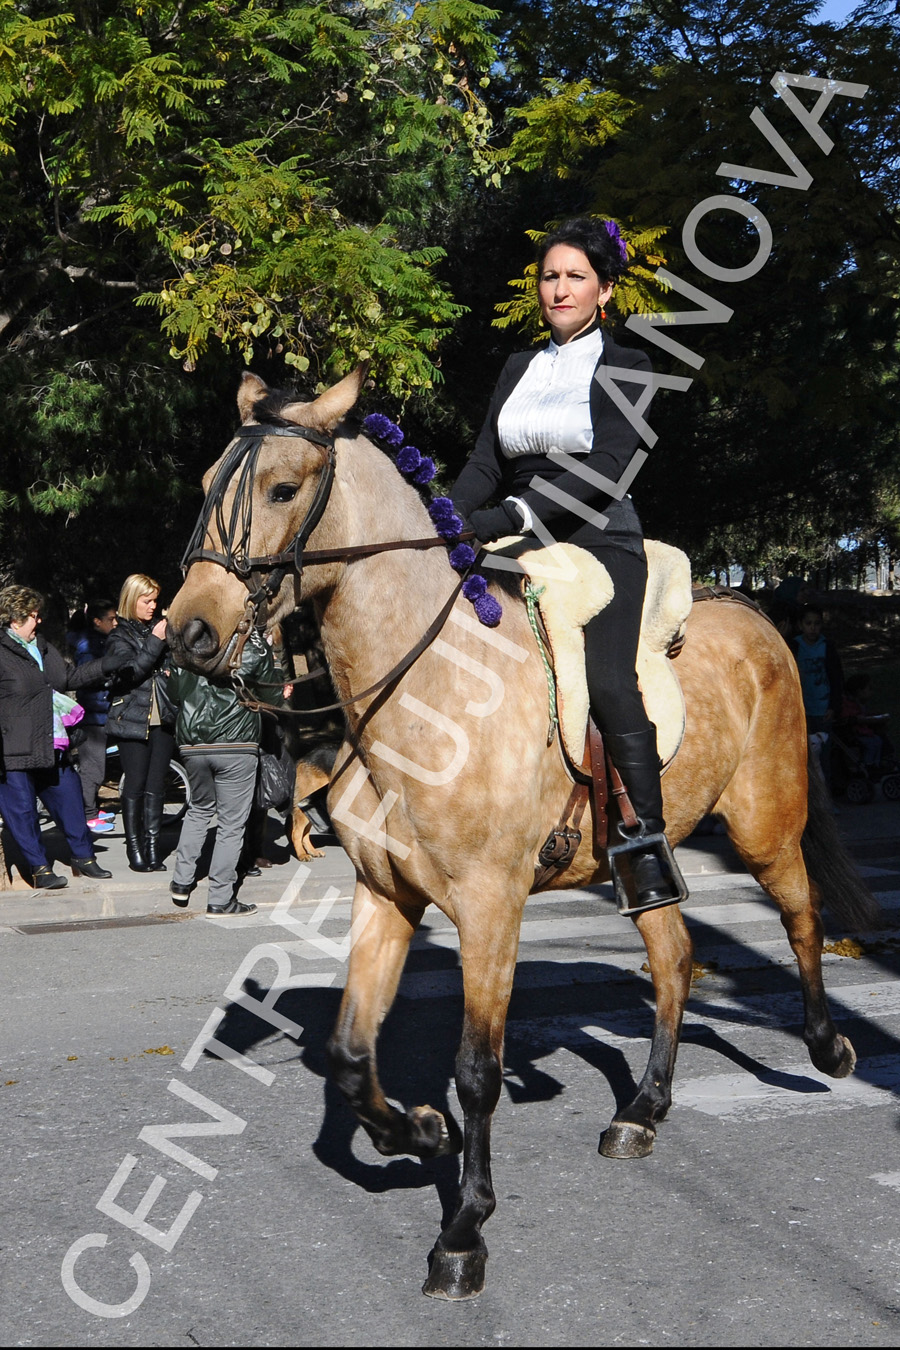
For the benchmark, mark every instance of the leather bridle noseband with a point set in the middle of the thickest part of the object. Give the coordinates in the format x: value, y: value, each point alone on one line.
x: 243, y: 455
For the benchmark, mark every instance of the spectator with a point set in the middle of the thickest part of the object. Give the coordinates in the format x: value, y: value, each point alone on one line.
x: 89, y: 645
x: 219, y: 740
x: 855, y: 714
x: 34, y: 757
x: 821, y: 680
x: 140, y: 718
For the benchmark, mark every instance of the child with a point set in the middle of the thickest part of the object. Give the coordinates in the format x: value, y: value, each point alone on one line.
x: 855, y: 714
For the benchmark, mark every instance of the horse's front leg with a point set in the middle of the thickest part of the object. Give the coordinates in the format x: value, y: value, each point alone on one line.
x: 632, y: 1131
x: 382, y: 931
x: 488, y: 947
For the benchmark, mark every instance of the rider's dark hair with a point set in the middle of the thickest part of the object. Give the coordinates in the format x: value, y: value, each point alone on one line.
x: 599, y: 240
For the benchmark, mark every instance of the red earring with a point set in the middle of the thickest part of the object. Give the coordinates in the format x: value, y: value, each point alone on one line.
x: 602, y: 314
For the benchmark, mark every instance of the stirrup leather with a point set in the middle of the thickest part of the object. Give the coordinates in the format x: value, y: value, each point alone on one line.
x: 659, y: 845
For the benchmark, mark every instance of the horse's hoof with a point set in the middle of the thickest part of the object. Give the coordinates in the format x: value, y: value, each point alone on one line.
x: 624, y: 1140
x: 846, y: 1061
x: 433, y: 1134
x: 455, y: 1275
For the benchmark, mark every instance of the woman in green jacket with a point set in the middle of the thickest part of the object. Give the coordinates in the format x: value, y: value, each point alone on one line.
x: 219, y: 737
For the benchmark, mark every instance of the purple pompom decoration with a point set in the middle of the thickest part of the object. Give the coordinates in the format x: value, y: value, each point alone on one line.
x: 376, y: 424
x: 462, y: 557
x: 426, y: 470
x: 441, y: 508
x: 408, y: 459
x: 614, y: 233
x: 450, y: 529
x: 488, y: 610
x: 474, y: 587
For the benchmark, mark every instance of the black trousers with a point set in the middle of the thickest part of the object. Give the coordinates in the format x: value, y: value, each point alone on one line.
x: 611, y: 643
x: 144, y: 763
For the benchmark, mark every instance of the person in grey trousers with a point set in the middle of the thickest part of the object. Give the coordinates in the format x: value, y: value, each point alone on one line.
x: 218, y: 737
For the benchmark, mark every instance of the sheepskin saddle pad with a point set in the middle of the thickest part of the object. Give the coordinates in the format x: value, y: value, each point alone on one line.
x: 576, y: 586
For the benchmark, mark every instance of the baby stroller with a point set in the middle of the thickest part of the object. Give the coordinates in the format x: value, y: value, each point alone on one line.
x: 851, y: 775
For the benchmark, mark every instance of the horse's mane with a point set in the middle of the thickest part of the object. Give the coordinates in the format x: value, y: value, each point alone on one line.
x: 269, y: 409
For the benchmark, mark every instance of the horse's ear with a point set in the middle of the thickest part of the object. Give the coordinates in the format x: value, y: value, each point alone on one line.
x: 329, y: 408
x: 251, y: 390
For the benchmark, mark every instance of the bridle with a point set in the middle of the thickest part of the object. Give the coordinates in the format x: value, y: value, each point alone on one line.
x: 264, y: 575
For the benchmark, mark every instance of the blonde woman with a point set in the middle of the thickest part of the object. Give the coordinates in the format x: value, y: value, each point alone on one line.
x: 139, y: 719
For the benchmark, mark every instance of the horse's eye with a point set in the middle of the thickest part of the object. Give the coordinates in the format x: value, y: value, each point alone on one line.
x: 283, y: 492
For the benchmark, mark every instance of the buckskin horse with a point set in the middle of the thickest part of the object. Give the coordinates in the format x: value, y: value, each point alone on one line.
x: 446, y: 786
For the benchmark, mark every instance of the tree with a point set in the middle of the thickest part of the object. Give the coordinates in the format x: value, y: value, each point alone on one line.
x: 789, y: 429
x: 205, y: 182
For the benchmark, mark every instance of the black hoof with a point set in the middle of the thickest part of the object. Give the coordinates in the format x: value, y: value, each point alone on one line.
x: 623, y: 1140
x: 838, y: 1064
x: 455, y: 1275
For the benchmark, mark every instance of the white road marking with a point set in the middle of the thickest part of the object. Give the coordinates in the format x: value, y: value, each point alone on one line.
x: 875, y: 1082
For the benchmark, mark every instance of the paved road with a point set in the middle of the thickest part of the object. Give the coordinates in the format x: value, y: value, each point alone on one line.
x: 768, y: 1213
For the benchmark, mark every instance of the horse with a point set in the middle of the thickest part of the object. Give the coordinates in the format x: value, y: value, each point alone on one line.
x: 447, y: 784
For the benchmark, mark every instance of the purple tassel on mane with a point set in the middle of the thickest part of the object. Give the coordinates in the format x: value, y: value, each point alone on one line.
x: 408, y: 459
x: 488, y: 610
x: 462, y: 557
x: 474, y: 587
x: 376, y: 424
x: 441, y: 508
x: 447, y: 523
x: 426, y: 470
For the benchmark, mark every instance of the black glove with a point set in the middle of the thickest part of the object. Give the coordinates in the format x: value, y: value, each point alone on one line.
x: 494, y: 524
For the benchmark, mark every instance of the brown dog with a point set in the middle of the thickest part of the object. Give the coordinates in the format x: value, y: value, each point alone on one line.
x: 313, y: 772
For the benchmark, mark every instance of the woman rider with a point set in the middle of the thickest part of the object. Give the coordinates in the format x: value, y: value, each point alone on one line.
x: 549, y: 400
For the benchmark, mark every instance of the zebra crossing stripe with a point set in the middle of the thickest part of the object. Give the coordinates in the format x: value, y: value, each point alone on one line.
x: 792, y: 1087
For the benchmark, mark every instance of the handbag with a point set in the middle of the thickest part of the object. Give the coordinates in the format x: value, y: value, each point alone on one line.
x: 275, y: 777
x: 168, y: 708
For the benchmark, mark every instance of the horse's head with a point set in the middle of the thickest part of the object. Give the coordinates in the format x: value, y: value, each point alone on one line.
x: 264, y: 497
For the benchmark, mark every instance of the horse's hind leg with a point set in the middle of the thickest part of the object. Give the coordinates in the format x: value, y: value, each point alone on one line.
x: 632, y: 1131
x: 382, y: 933
x: 784, y: 878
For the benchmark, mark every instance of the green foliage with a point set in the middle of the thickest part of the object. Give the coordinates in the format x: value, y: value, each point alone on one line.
x: 247, y: 157
x: 787, y: 436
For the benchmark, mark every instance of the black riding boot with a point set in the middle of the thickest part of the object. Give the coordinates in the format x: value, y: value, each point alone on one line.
x: 635, y: 756
x: 132, y: 820
x: 153, y: 812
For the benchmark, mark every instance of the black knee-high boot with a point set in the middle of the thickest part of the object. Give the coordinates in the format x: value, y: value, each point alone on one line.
x: 635, y: 756
x: 153, y: 811
x: 132, y: 822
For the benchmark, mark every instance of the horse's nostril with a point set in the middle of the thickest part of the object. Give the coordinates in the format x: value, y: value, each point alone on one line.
x: 199, y: 638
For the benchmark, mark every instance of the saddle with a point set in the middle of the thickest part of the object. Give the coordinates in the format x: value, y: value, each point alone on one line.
x: 569, y: 587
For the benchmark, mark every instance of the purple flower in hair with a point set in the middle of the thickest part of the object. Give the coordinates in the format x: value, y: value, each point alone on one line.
x: 376, y: 424
x: 474, y: 587
x: 614, y: 233
x: 426, y: 470
x: 462, y: 557
x: 488, y: 610
x: 408, y: 459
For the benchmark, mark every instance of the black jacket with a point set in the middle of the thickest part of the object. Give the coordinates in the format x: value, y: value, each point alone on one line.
x: 489, y: 473
x: 26, y: 701
x: 135, y: 657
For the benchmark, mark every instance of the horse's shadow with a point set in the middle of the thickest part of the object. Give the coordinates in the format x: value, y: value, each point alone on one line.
x: 419, y: 1039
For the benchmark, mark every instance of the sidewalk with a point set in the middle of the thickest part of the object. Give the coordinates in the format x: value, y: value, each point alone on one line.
x: 137, y: 898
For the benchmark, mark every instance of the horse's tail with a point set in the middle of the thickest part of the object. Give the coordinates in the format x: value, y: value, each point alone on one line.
x: 844, y: 893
